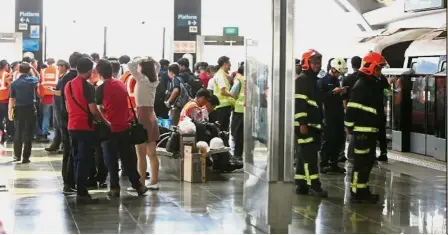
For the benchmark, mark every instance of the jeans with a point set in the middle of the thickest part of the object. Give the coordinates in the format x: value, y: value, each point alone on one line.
x: 98, y: 170
x: 119, y: 145
x: 24, y: 121
x: 57, y: 130
x: 68, y: 174
x: 4, y: 116
x: 46, y: 116
x: 82, y: 149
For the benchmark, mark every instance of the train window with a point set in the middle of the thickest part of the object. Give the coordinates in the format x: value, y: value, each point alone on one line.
x: 427, y: 65
x: 443, y: 67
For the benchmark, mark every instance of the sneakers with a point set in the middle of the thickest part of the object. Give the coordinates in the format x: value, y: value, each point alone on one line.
x: 68, y: 190
x: 382, y: 157
x: 142, y: 190
x: 114, y: 193
x: 153, y: 186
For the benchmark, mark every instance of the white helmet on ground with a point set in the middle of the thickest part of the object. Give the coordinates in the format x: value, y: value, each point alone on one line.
x: 216, y: 143
x: 339, y: 65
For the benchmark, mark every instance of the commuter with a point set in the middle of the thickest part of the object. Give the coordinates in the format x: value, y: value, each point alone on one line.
x: 210, y: 107
x: 111, y: 97
x: 95, y: 57
x: 5, y: 82
x: 129, y: 81
x: 115, y: 68
x: 82, y: 112
x: 22, y: 109
x: 49, y: 79
x: 164, y: 83
x: 193, y: 109
x: 123, y: 60
x: 145, y: 73
x: 211, y: 71
x: 203, y: 75
x: 193, y: 81
x: 63, y: 69
x: 237, y: 124
x: 361, y: 120
x: 333, y: 108
x: 222, y: 91
x: 175, y: 92
x: 68, y: 173
x: 308, y: 124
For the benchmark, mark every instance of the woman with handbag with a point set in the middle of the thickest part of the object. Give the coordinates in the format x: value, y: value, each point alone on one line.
x: 145, y: 73
x: 111, y: 97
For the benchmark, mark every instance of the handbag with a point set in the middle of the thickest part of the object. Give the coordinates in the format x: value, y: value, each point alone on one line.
x: 101, y: 130
x: 138, y: 133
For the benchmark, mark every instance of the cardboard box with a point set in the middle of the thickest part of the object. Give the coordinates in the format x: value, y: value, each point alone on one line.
x: 194, y: 166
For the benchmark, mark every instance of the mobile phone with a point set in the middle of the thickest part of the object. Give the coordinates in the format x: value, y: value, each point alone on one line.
x: 49, y: 88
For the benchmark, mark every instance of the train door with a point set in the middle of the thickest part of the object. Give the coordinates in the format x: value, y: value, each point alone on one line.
x: 425, y: 98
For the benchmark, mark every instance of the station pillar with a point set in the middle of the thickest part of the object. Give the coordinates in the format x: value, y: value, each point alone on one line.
x: 187, y: 25
x: 29, y: 22
x: 269, y: 119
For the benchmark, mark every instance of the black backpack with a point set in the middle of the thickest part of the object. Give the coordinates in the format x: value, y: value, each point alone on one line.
x: 192, y: 83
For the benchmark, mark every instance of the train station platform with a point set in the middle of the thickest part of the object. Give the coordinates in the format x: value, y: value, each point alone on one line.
x: 413, y: 200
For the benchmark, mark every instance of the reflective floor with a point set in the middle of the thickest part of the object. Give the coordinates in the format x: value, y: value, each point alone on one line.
x: 413, y: 201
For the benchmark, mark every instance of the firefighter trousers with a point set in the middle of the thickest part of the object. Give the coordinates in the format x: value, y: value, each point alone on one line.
x: 307, y: 173
x: 364, y: 154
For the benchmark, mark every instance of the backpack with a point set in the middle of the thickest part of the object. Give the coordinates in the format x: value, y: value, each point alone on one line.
x: 183, y: 97
x: 192, y: 83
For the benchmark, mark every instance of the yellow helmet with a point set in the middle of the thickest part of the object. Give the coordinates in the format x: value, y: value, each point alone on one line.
x: 339, y: 65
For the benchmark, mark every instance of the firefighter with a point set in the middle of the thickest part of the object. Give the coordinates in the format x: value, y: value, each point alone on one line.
x: 308, y: 125
x: 333, y: 138
x: 361, y: 119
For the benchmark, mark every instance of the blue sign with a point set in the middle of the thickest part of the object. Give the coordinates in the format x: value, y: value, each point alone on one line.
x: 185, y: 20
x: 34, y: 31
x: 30, y: 44
x: 29, y: 17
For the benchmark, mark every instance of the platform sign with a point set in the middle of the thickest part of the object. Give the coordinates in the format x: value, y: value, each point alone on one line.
x: 28, y: 21
x: 232, y: 31
x: 186, y: 20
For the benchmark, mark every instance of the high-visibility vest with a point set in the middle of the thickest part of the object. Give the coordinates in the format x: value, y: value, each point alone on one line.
x: 4, y: 89
x: 186, y: 110
x: 241, y: 100
x: 224, y: 101
x: 49, y: 78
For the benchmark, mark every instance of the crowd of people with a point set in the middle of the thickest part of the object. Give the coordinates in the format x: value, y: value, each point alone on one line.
x: 99, y: 105
x: 326, y: 104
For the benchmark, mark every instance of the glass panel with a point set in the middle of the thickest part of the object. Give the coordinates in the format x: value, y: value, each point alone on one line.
x: 427, y: 65
x: 440, y: 96
x: 430, y: 98
x: 418, y: 104
x: 259, y: 79
x: 396, y: 102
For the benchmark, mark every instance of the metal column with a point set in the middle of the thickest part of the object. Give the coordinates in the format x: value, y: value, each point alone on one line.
x: 269, y: 129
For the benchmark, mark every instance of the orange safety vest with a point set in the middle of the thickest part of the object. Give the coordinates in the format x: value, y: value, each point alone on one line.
x: 49, y: 78
x: 129, y: 81
x: 186, y: 110
x: 4, y: 88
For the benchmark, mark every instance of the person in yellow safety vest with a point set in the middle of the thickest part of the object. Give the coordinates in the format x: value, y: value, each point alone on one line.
x: 194, y: 108
x: 361, y: 120
x: 49, y: 78
x: 237, y: 125
x: 308, y: 125
x: 222, y: 90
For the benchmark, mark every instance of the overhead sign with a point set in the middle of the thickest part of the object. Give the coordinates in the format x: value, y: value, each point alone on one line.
x: 193, y: 29
x: 186, y: 20
x: 422, y: 5
x: 224, y: 40
x: 28, y: 21
x: 184, y: 46
x: 233, y: 31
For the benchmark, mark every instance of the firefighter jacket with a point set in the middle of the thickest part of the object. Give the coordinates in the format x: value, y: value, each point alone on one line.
x: 307, y: 105
x: 362, y: 114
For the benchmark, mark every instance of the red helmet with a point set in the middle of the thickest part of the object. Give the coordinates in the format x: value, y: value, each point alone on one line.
x: 371, y: 61
x: 308, y: 56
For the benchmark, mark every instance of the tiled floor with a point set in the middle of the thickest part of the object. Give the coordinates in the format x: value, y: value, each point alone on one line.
x: 413, y: 201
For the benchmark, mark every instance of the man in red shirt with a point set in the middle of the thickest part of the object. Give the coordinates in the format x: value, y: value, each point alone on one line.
x: 203, y: 75
x: 82, y: 111
x: 111, y: 97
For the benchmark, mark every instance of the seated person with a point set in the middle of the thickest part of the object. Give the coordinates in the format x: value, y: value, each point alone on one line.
x: 193, y: 109
x: 210, y: 107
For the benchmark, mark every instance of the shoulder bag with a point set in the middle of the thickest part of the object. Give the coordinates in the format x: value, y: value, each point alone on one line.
x: 101, y: 130
x: 138, y: 133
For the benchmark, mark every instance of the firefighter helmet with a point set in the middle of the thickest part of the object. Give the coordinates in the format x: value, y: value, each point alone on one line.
x: 371, y: 61
x: 310, y: 55
x: 339, y: 65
